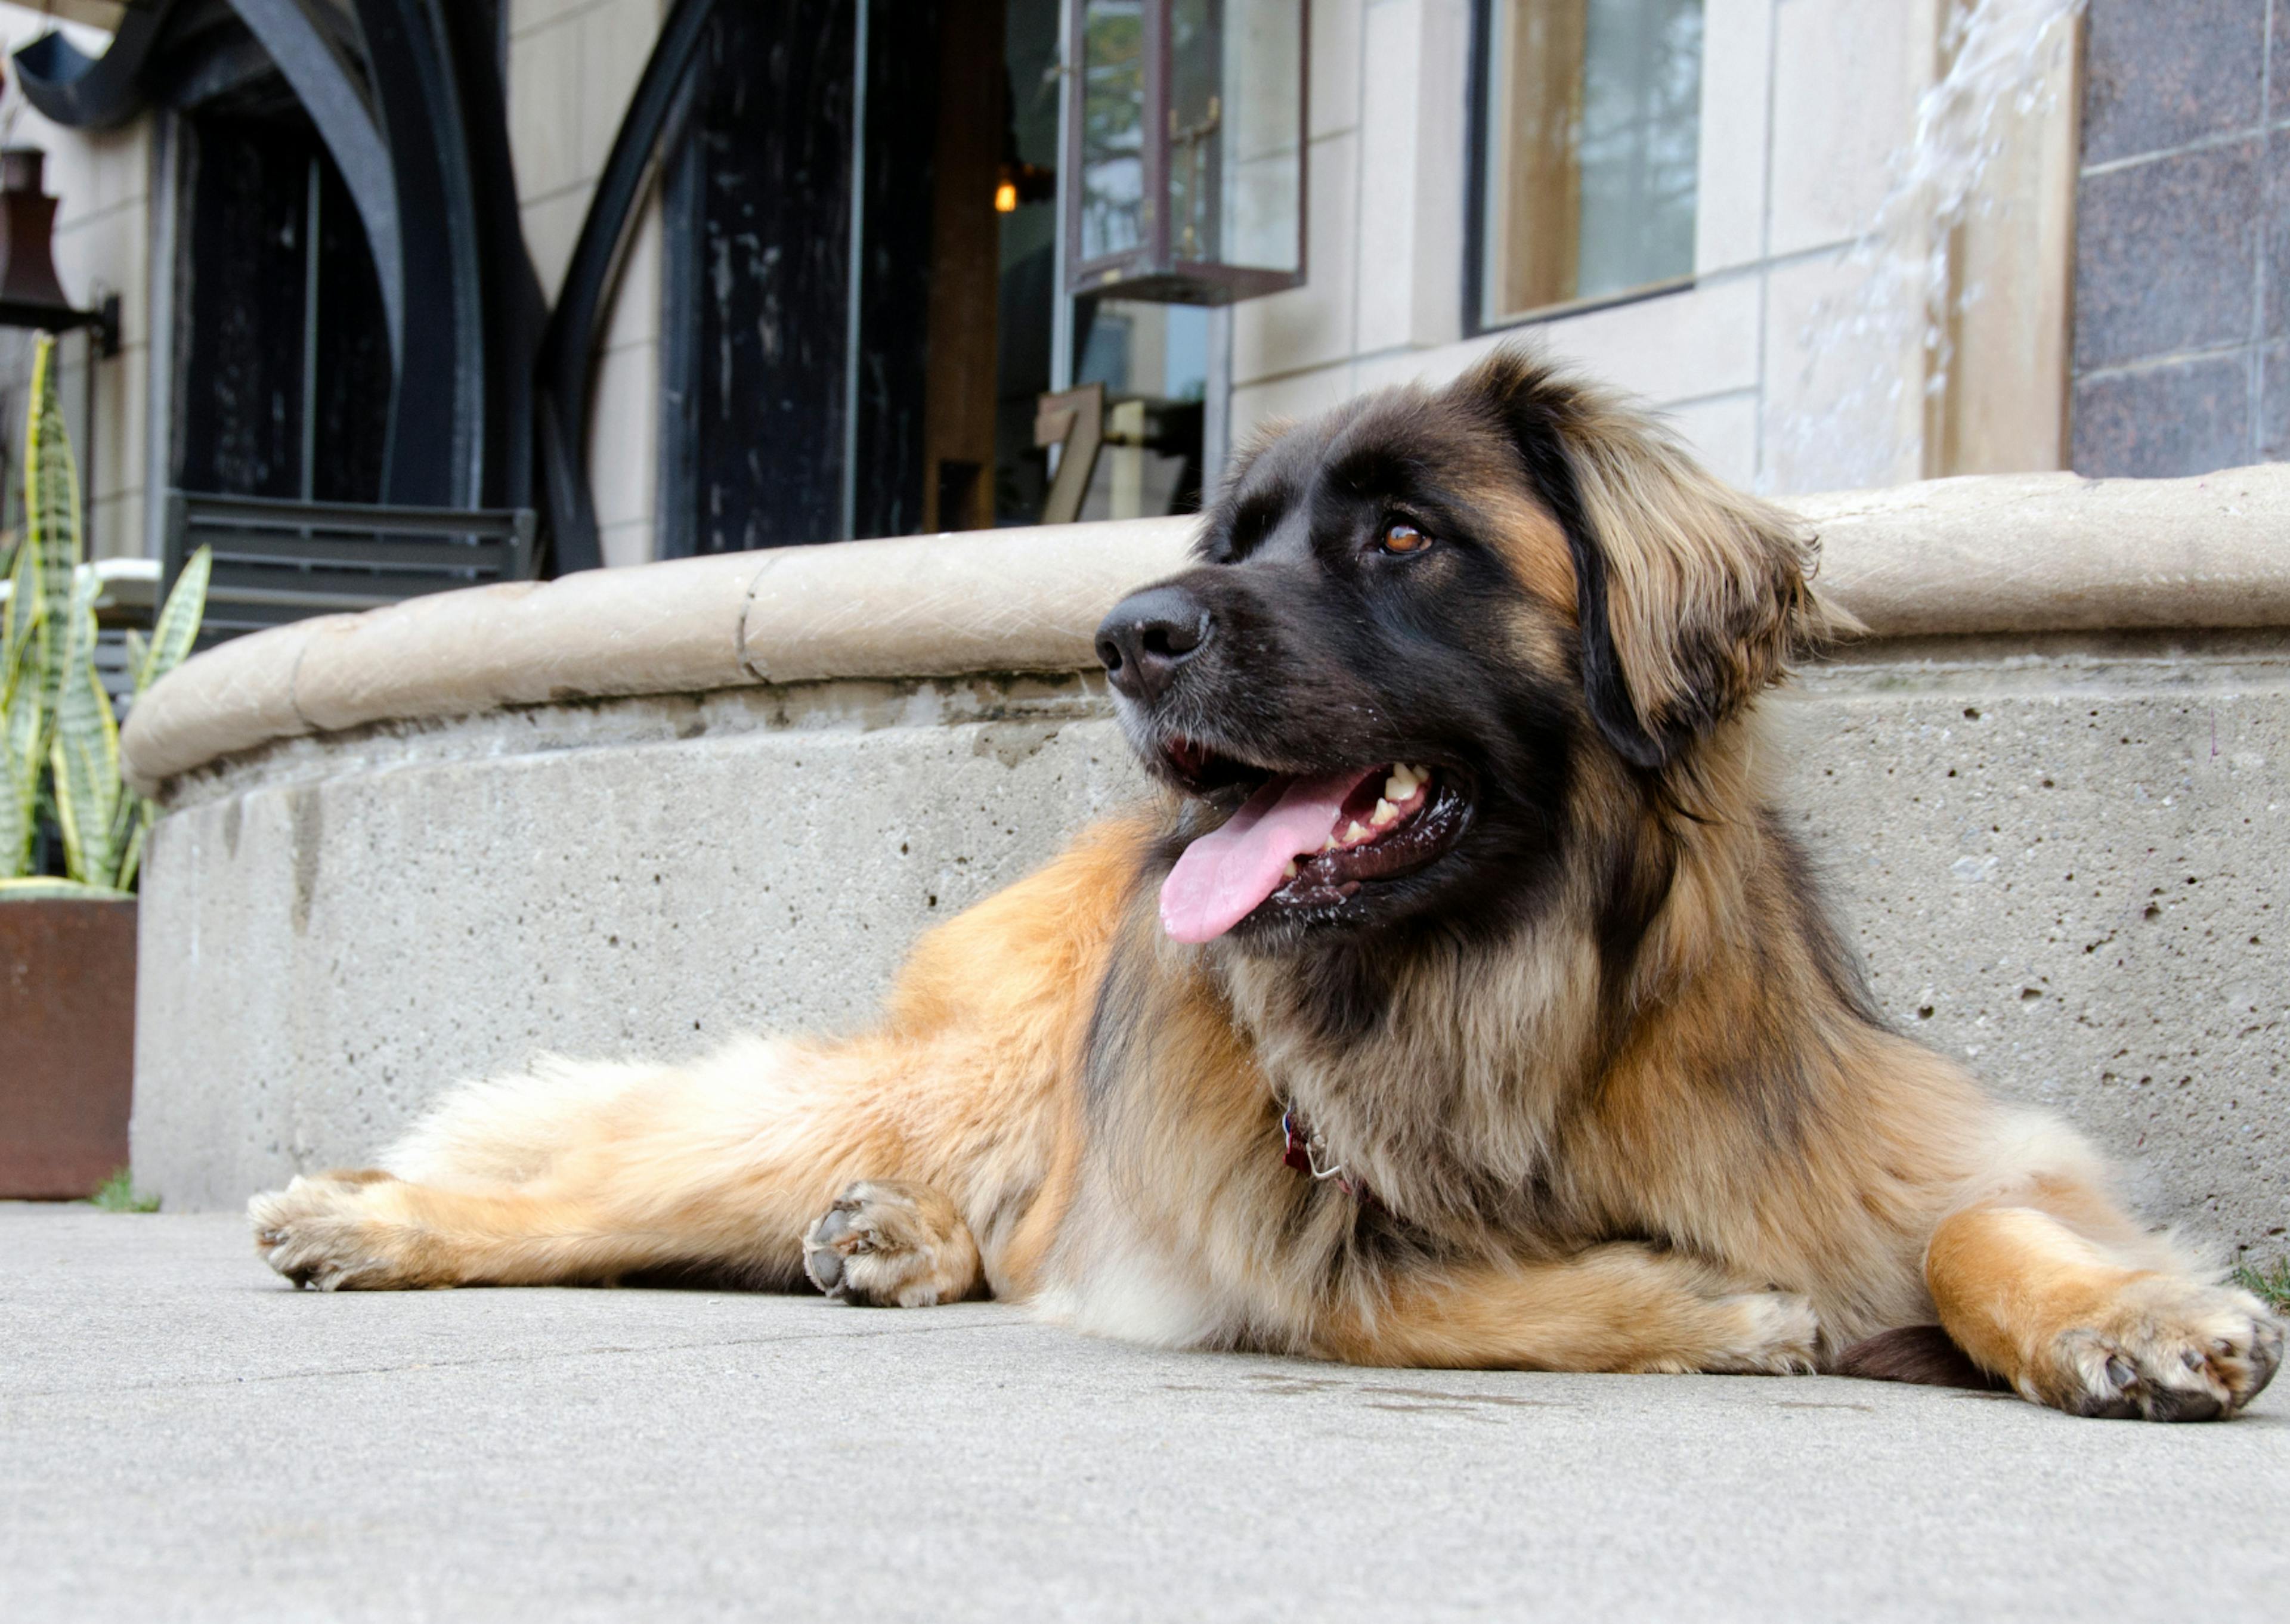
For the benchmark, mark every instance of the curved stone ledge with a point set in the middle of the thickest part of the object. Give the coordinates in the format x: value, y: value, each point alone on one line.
x: 1987, y: 555
x: 2003, y: 552
x: 909, y: 606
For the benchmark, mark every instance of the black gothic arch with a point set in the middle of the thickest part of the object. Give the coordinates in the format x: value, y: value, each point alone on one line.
x: 406, y: 96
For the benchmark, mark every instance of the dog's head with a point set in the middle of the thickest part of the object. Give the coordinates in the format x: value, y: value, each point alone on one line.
x: 1411, y: 619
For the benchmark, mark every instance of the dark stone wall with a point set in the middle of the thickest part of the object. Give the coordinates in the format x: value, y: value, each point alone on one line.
x: 2181, y: 311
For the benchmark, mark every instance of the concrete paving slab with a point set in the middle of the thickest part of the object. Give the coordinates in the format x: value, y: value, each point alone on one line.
x: 182, y: 1437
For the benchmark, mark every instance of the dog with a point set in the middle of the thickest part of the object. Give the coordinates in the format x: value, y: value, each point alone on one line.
x: 1460, y: 1002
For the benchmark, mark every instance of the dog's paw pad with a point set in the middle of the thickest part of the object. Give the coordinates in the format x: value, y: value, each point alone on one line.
x: 889, y: 1244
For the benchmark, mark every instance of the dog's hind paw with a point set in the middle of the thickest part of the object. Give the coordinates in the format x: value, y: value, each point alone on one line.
x: 885, y: 1243
x: 318, y: 1232
x: 2166, y: 1350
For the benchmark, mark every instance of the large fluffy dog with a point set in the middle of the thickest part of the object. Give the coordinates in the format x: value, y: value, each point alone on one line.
x: 1463, y: 1005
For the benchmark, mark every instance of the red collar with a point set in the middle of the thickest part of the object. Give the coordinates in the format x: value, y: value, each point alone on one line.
x: 1307, y: 1152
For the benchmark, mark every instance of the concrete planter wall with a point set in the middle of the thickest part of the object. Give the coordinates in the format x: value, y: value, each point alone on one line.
x: 632, y: 813
x: 67, y: 1045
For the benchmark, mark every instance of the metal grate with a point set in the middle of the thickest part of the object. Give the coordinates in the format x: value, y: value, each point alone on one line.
x: 281, y: 561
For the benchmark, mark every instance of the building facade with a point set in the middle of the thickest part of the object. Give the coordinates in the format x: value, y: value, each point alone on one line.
x: 818, y: 280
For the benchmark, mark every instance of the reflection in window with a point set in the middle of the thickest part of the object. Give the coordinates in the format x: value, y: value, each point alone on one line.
x: 1153, y: 360
x: 1236, y: 174
x: 1593, y: 124
x: 1027, y: 291
x: 1112, y: 142
x: 1197, y: 102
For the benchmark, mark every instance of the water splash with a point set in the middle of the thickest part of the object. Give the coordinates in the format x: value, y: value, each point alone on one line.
x: 2001, y: 55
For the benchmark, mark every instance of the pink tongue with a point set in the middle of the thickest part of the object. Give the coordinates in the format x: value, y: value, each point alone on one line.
x: 1221, y: 877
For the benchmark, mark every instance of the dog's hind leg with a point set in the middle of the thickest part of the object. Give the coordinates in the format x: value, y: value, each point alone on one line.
x: 592, y: 1172
x: 384, y: 1234
x: 2046, y: 1283
x: 585, y: 1175
x: 2049, y: 1290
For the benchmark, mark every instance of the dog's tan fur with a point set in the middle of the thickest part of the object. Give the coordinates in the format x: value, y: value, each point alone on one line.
x: 1716, y: 1165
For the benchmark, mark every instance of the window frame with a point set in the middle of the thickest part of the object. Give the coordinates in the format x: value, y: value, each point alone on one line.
x: 1477, y: 324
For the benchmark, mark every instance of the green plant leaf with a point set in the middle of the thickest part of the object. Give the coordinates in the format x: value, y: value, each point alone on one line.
x: 85, y: 756
x: 86, y: 766
x: 131, y: 860
x: 23, y: 704
x: 20, y: 626
x: 36, y: 631
x: 51, y: 531
x: 178, y: 625
x: 118, y: 1194
x: 59, y: 732
x: 2267, y: 1281
x: 19, y: 784
x: 44, y: 888
x: 127, y: 814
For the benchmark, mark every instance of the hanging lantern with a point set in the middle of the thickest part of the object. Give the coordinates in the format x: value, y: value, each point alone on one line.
x: 30, y: 296
x: 1185, y: 142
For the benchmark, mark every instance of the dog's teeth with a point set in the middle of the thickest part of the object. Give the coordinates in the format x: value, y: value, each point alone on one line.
x: 1330, y: 844
x: 1399, y: 786
x: 1354, y: 834
x: 1385, y: 812
x: 1289, y: 873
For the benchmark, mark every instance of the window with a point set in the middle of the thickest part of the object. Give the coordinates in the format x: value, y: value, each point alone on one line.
x: 283, y: 386
x: 1026, y: 293
x: 860, y: 321
x: 1153, y: 359
x: 1588, y: 134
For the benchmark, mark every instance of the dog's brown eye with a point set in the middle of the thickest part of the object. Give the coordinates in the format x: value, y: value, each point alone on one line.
x: 1404, y: 538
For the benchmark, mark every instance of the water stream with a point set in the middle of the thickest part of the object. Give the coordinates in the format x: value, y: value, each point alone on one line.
x: 1853, y: 424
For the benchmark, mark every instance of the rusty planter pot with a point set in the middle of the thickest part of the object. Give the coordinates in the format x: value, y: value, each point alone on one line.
x: 67, y: 1045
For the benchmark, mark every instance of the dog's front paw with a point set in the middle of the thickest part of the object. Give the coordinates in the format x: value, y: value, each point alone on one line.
x: 1774, y: 1333
x: 2162, y: 1350
x: 891, y: 1244
x: 1750, y: 1333
x: 320, y: 1231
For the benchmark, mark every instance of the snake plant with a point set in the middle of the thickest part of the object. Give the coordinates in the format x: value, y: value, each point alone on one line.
x: 59, y: 739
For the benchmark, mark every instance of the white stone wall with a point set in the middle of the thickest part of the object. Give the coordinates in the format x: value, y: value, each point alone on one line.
x: 102, y: 181
x: 1804, y: 102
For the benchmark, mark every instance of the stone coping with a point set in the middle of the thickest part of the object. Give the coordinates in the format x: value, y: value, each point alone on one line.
x: 2025, y: 553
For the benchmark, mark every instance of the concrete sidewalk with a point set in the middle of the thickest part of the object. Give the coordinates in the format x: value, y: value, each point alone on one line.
x: 182, y: 1437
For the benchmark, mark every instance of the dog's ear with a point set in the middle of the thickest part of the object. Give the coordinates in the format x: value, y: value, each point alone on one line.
x: 1222, y: 514
x: 1692, y: 596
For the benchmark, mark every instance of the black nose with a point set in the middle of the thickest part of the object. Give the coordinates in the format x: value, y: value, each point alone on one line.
x: 1148, y: 635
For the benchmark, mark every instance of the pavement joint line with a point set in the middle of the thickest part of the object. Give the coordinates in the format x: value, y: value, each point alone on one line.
x: 541, y: 1357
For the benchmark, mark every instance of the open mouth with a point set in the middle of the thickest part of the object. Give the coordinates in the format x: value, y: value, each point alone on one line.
x: 1299, y: 844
